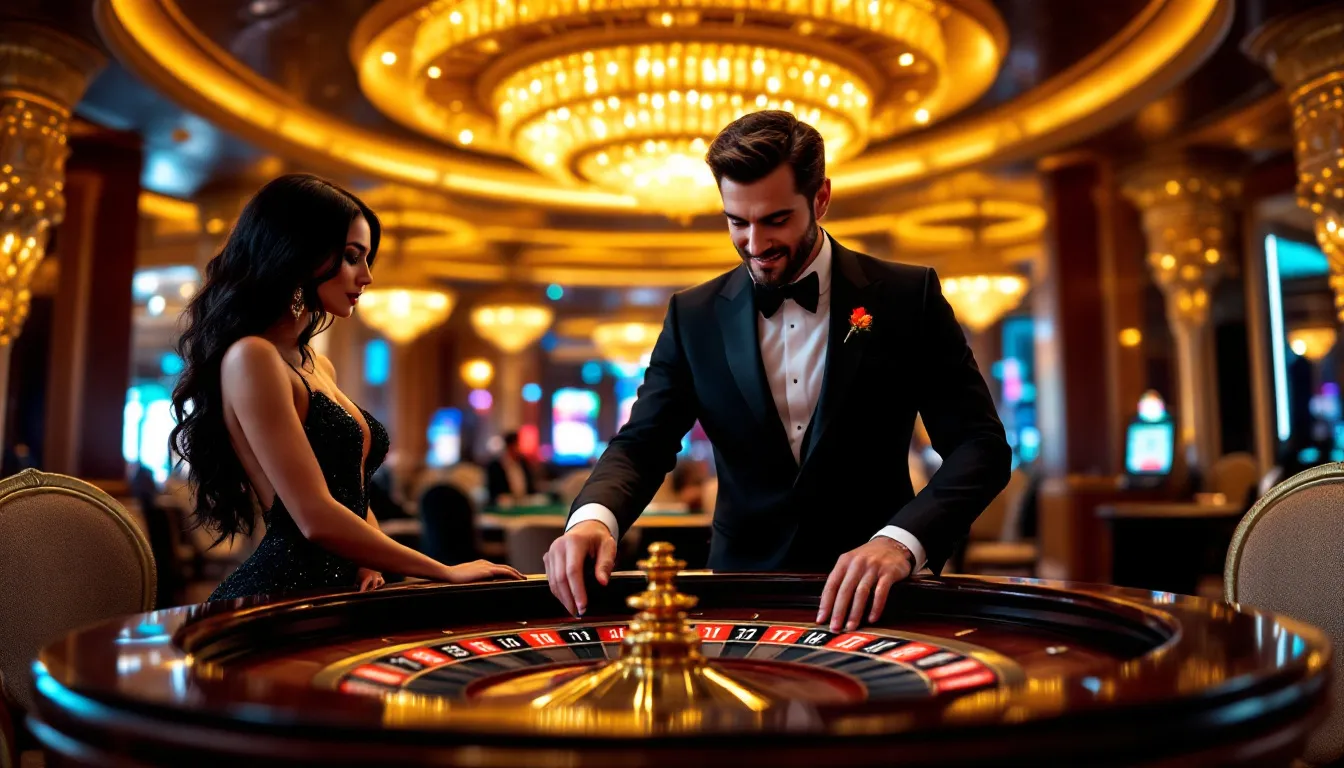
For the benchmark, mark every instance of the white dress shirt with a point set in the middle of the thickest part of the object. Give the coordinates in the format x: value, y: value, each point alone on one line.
x: 793, y: 346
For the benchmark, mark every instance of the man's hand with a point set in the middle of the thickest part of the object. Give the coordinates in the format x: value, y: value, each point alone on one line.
x: 870, y: 569
x: 566, y: 558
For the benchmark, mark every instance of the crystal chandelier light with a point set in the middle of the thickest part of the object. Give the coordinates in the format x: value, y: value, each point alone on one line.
x: 980, y: 300
x: 402, y: 314
x: 1312, y: 343
x: 1305, y: 53
x: 511, y: 325
x: 627, y: 94
x: 628, y: 343
x: 45, y: 74
x: 478, y: 373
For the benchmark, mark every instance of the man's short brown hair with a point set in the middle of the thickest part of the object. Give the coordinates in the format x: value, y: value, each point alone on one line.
x: 754, y: 145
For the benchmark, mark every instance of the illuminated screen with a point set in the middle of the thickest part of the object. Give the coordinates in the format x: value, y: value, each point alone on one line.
x: 146, y: 421
x: 1149, y: 448
x: 623, y: 411
x: 445, y: 438
x: 574, y: 425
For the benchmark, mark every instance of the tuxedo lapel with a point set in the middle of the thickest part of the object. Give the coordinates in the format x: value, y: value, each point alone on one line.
x: 737, y: 321
x: 850, y: 288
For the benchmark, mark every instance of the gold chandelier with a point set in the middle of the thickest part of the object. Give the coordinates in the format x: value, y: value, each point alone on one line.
x: 1305, y: 53
x: 1312, y: 343
x: 403, y: 314
x: 627, y: 94
x: 511, y: 324
x: 478, y: 373
x: 980, y: 300
x: 45, y: 73
x: 629, y: 343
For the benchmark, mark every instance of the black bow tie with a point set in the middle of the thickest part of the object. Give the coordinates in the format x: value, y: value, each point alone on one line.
x: 805, y: 292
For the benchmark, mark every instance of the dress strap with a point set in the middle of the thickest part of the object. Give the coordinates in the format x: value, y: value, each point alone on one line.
x: 301, y: 378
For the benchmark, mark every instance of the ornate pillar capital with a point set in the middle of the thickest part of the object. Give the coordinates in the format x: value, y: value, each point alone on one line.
x: 1185, y: 207
x: 1305, y: 54
x: 43, y: 74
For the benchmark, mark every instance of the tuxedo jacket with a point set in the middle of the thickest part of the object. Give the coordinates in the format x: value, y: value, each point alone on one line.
x: 776, y: 513
x: 497, y: 479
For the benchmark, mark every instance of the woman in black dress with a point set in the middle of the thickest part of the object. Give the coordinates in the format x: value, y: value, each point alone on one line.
x: 259, y: 414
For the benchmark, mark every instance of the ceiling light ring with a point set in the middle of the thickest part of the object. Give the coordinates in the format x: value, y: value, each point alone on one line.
x: 917, y: 30
x: 919, y: 225
x: 453, y: 231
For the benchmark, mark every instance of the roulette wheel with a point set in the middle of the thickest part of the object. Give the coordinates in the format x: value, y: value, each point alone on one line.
x: 686, y: 668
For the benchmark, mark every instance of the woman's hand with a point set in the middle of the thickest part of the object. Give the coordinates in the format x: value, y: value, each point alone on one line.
x: 479, y: 570
x: 368, y: 580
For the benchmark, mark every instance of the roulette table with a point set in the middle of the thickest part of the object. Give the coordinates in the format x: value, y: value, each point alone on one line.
x: 686, y: 668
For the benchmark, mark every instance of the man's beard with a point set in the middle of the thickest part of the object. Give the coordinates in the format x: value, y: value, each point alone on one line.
x: 793, y: 259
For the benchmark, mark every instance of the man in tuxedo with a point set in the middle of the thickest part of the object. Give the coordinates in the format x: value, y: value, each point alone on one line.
x: 806, y: 366
x: 509, y: 475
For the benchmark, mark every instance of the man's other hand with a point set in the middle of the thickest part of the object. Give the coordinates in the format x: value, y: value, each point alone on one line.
x: 869, y: 570
x: 566, y: 559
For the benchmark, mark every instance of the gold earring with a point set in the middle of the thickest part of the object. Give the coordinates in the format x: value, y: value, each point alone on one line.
x: 297, y: 305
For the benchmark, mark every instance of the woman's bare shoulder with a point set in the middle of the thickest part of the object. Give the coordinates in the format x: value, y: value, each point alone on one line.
x: 251, y: 354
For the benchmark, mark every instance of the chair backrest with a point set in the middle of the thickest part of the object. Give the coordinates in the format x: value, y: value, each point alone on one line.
x: 1287, y: 556
x: 571, y: 484
x: 70, y: 555
x: 466, y: 476
x: 1001, y: 519
x: 1235, y: 475
x: 447, y: 524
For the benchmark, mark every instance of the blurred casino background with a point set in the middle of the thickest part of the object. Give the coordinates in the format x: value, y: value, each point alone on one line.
x: 1134, y: 206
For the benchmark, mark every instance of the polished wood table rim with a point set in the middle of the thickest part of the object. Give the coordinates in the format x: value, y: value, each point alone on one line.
x: 1172, y: 678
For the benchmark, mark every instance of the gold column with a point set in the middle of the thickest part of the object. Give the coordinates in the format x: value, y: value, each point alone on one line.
x: 1305, y: 53
x: 415, y: 379
x: 508, y: 397
x: 43, y: 74
x: 217, y: 210
x: 1187, y: 221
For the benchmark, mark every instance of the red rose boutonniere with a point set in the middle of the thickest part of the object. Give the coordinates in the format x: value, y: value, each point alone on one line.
x: 859, y: 320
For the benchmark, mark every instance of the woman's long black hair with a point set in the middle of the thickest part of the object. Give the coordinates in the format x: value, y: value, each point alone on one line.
x: 289, y: 236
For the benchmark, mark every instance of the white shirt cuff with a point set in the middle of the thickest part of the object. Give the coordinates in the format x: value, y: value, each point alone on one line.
x: 606, y: 517
x: 898, y: 534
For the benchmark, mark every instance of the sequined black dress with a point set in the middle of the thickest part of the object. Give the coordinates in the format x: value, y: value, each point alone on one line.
x: 284, y: 560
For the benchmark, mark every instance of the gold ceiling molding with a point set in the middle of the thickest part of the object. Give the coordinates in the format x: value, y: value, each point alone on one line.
x: 1264, y: 124
x: 155, y: 206
x: 167, y: 218
x: 1162, y: 45
x: 410, y: 215
x: 627, y: 94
